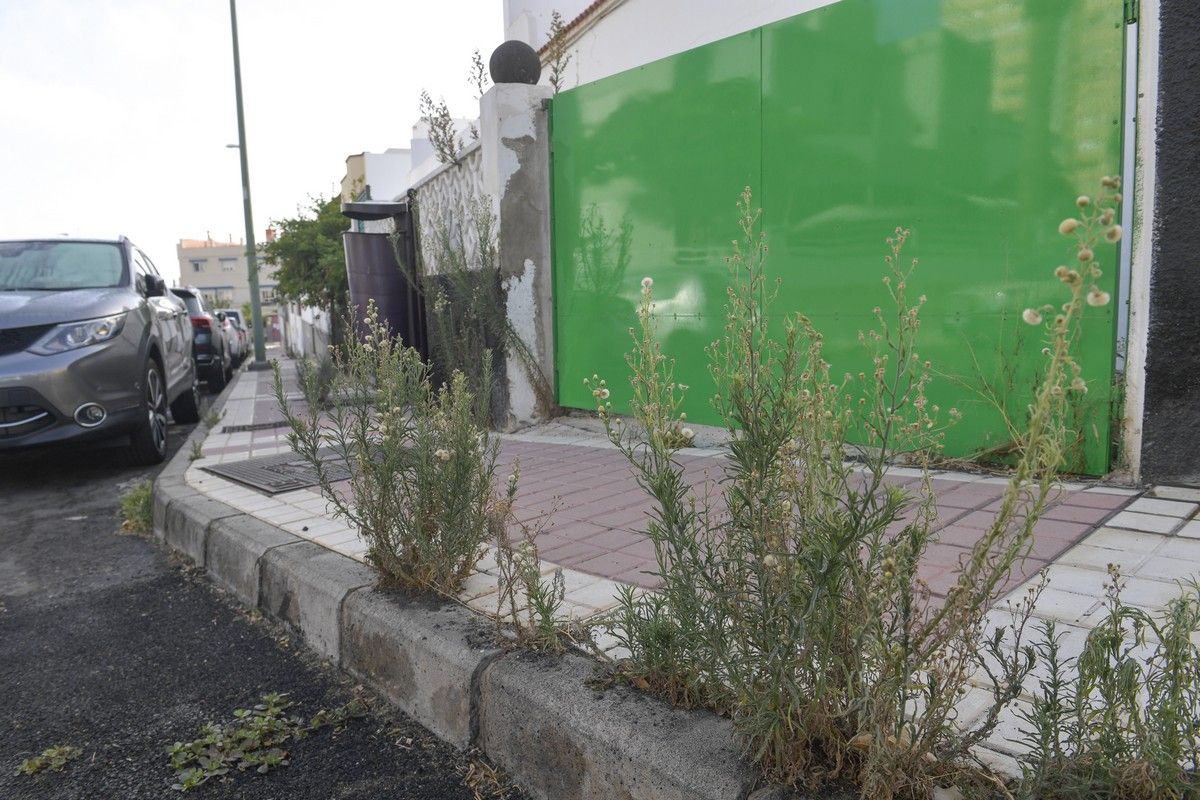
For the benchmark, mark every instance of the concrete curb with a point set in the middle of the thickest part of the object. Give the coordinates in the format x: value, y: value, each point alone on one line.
x: 531, y: 714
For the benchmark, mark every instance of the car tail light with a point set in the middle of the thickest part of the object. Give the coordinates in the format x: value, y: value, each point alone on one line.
x: 201, y: 323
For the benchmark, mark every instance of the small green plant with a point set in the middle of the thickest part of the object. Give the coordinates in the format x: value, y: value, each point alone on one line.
x: 420, y: 465
x: 532, y: 604
x: 442, y: 136
x: 1119, y: 720
x: 557, y: 53
x: 254, y: 740
x: 137, y: 508
x: 799, y: 610
x: 469, y: 329
x: 212, y: 418
x: 197, y: 451
x: 53, y: 758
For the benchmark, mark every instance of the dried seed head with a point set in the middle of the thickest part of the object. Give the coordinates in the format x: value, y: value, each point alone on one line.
x: 1068, y: 226
x: 1083, y: 201
x: 1113, y: 234
x: 1032, y: 316
x: 647, y: 282
x: 1085, y: 254
x: 1097, y: 298
x: 1079, y: 385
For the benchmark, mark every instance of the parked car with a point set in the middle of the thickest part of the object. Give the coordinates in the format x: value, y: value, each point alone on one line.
x: 92, y: 346
x: 213, y: 354
x: 234, y: 318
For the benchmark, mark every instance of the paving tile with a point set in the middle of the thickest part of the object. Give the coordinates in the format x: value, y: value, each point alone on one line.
x: 1114, y: 490
x: 643, y: 547
x: 1144, y: 522
x: 1180, y: 548
x: 1073, y: 513
x: 1062, y: 606
x: 573, y: 530
x: 1098, y: 558
x: 1060, y: 529
x: 615, y: 539
x: 1185, y: 493
x: 1190, y: 530
x: 1094, y: 498
x: 969, y: 496
x: 1125, y: 540
x: 1166, y: 508
x: 646, y: 577
x: 600, y: 595
x: 1164, y: 568
x: 570, y: 554
x: 609, y: 565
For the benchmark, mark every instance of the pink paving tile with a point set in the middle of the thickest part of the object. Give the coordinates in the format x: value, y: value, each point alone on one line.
x: 960, y: 536
x: 610, y: 565
x: 573, y: 530
x: 1060, y: 529
x: 969, y: 496
x: 615, y: 539
x: 1074, y: 513
x: 570, y: 554
x: 646, y: 578
x: 643, y: 548
x: 1099, y: 500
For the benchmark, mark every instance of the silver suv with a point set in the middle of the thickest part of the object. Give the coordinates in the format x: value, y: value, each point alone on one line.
x: 92, y: 346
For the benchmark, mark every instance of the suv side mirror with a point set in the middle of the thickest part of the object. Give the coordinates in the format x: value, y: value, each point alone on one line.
x: 155, y: 286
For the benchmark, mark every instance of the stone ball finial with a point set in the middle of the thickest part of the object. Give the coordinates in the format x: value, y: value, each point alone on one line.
x: 515, y: 62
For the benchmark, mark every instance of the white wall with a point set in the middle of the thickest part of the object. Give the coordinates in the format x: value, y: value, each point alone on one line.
x: 624, y: 34
x: 387, y: 172
x: 529, y: 20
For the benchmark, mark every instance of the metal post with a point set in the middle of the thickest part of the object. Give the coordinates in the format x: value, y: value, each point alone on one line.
x: 260, y: 356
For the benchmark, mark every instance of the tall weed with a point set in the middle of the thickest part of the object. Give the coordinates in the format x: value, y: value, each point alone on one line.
x: 798, y: 608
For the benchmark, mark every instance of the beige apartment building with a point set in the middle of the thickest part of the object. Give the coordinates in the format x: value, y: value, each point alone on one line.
x: 218, y: 269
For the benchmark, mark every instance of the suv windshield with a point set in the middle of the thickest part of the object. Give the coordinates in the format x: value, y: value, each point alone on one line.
x: 194, y: 307
x: 58, y: 266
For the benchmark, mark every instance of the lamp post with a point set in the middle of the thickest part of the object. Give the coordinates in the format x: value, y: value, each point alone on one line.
x: 260, y: 357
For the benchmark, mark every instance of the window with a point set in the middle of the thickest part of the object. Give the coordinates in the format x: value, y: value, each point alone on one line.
x: 198, y: 264
x: 228, y: 264
x: 268, y: 295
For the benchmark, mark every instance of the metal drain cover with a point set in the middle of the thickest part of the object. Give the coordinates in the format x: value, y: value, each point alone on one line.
x: 257, y: 426
x: 279, y: 473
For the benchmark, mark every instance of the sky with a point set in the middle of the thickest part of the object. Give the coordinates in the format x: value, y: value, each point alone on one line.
x: 115, y: 114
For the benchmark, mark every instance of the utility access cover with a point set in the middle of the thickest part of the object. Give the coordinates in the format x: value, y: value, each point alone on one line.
x: 280, y: 473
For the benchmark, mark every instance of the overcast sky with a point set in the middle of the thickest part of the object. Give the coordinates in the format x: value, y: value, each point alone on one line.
x: 114, y: 114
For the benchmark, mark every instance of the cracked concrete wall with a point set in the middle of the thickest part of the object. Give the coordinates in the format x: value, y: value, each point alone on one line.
x: 515, y: 145
x: 1171, y: 404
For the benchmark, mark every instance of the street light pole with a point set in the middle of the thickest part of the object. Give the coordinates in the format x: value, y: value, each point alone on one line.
x: 260, y: 355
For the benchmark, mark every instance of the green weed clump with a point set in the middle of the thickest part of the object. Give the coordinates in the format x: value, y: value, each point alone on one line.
x: 255, y: 740
x: 53, y: 758
x: 137, y: 508
x: 798, y: 610
x: 420, y: 464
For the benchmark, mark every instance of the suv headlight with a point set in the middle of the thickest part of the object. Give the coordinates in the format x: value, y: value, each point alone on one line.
x: 72, y: 335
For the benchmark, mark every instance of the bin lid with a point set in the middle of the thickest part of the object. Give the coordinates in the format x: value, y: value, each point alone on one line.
x: 374, y: 209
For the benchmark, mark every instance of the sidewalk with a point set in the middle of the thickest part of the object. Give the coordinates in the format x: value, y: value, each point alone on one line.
x: 581, y: 488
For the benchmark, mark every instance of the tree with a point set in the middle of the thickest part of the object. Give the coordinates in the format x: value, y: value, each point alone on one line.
x: 309, y: 259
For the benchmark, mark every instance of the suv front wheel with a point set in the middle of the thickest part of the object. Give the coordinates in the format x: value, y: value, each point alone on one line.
x: 148, y: 442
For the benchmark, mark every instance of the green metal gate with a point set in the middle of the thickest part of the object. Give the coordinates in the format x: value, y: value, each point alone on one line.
x: 972, y: 122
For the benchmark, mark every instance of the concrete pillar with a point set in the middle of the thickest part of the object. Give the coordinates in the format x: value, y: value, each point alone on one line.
x: 515, y: 140
x: 1163, y: 372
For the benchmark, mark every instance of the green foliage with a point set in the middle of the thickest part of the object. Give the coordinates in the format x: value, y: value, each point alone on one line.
x: 309, y: 257
x: 420, y: 466
x: 254, y: 740
x: 137, y: 508
x: 557, y: 54
x: 197, y: 452
x: 467, y: 313
x: 799, y: 611
x: 1119, y: 720
x: 52, y: 758
x: 532, y: 604
x: 212, y: 418
x: 440, y: 124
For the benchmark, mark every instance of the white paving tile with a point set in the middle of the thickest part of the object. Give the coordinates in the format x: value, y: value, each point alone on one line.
x: 1185, y: 493
x: 1191, y: 530
x: 1125, y: 541
x: 1183, y: 549
x: 1164, y: 568
x: 1166, y: 508
x: 1098, y: 558
x: 1144, y: 522
x: 1117, y: 490
x: 600, y: 595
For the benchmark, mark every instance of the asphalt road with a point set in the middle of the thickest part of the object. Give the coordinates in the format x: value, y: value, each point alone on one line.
x: 109, y: 644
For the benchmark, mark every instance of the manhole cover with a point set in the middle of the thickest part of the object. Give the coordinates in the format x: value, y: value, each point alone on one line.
x: 280, y: 473
x: 258, y: 426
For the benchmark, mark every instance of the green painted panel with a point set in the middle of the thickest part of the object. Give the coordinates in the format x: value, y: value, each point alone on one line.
x: 647, y: 165
x: 972, y: 122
